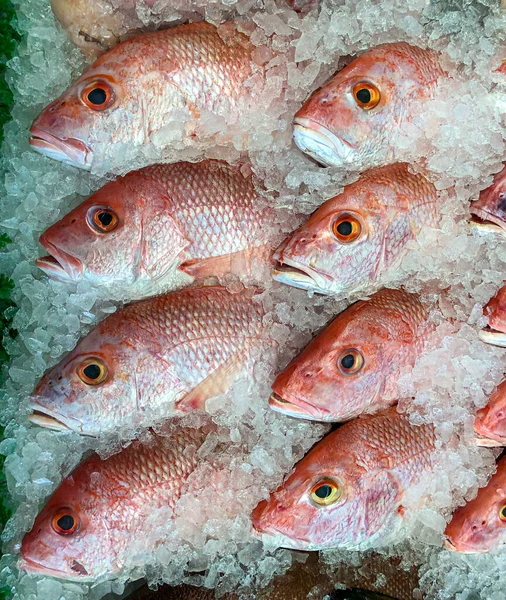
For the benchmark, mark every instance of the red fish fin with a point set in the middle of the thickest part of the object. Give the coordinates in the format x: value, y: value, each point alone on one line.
x: 218, y: 382
x: 238, y: 263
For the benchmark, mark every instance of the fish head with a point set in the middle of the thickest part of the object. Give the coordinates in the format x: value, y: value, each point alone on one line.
x: 107, y: 105
x: 96, y: 387
x: 70, y: 538
x: 480, y: 525
x: 488, y: 213
x: 490, y: 421
x: 354, y: 118
x: 328, y: 501
x: 339, y: 248
x: 337, y: 375
x: 122, y: 233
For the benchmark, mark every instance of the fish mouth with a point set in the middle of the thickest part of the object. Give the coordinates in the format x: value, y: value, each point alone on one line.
x: 321, y: 144
x: 492, y: 336
x: 485, y: 438
x: 449, y: 545
x: 49, y: 419
x: 70, y: 151
x: 270, y: 536
x: 297, y: 275
x: 301, y: 410
x: 487, y: 222
x: 59, y: 264
x: 32, y: 566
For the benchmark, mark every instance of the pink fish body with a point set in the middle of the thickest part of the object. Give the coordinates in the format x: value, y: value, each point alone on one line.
x: 348, y: 491
x: 353, y: 365
x: 350, y: 241
x: 489, y: 211
x: 89, y: 524
x: 480, y: 525
x: 144, y: 85
x: 490, y: 421
x: 354, y: 119
x: 151, y: 360
x: 495, y: 310
x: 201, y: 218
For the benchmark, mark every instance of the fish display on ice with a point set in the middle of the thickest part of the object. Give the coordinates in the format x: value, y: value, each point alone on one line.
x: 150, y: 82
x: 488, y: 213
x: 348, y: 491
x: 199, y: 218
x: 151, y: 360
x: 87, y: 527
x: 495, y: 310
x: 351, y: 240
x: 490, y: 421
x: 480, y: 525
x: 355, y: 118
x: 353, y: 365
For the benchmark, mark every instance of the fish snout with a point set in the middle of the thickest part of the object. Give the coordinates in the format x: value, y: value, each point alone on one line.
x: 320, y: 143
x: 69, y: 150
x: 59, y: 264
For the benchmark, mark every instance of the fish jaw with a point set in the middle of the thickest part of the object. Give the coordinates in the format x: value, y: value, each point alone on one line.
x: 298, y: 275
x: 486, y: 222
x: 31, y: 566
x: 302, y: 410
x: 59, y: 264
x: 461, y: 548
x: 491, y: 336
x: 49, y: 419
x: 70, y: 151
x: 321, y: 144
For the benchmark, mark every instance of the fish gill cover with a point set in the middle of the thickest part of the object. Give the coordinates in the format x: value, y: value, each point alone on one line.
x: 458, y: 136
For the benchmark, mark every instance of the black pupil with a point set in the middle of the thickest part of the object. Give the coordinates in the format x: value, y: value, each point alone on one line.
x: 364, y: 96
x: 348, y: 361
x: 92, y: 371
x: 66, y: 522
x: 323, y: 491
x: 97, y: 96
x: 105, y: 218
x: 345, y: 228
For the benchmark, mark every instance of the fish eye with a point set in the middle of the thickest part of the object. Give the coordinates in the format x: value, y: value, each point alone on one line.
x: 366, y: 95
x: 502, y: 513
x: 346, y: 228
x: 325, y: 492
x: 102, y: 219
x: 98, y: 95
x: 65, y: 522
x: 92, y: 371
x: 350, y: 362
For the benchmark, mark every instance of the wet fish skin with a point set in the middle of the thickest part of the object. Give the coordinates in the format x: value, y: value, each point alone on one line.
x: 371, y: 461
x: 389, y: 205
x: 489, y: 212
x: 151, y: 360
x: 110, y: 502
x: 495, y: 310
x: 202, y: 218
x: 477, y: 527
x: 336, y: 130
x: 143, y: 85
x: 386, y: 332
x: 490, y: 421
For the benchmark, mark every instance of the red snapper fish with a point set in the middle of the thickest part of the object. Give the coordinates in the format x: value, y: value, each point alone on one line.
x: 151, y: 360
x: 495, y: 310
x: 202, y: 219
x: 355, y: 118
x: 490, y: 421
x: 480, y: 525
x: 353, y: 365
x: 146, y: 84
x: 87, y: 526
x: 350, y: 241
x: 348, y: 491
x: 488, y: 213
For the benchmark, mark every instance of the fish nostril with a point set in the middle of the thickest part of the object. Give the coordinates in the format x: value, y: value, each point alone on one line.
x: 474, y: 527
x: 308, y: 374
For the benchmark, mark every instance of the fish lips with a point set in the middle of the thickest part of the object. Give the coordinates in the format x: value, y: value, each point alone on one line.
x: 298, y: 275
x: 49, y: 419
x: 321, y: 144
x: 69, y: 150
x: 486, y: 221
x: 492, y: 336
x: 301, y: 410
x: 462, y: 548
x: 31, y: 566
x: 486, y: 438
x: 59, y: 265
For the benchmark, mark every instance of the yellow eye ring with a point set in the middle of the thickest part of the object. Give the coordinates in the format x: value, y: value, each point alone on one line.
x: 325, y: 492
x: 366, y: 95
x: 92, y: 371
x: 350, y: 361
x: 98, y: 95
x: 65, y: 522
x: 346, y: 228
x: 502, y: 513
x: 102, y: 219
